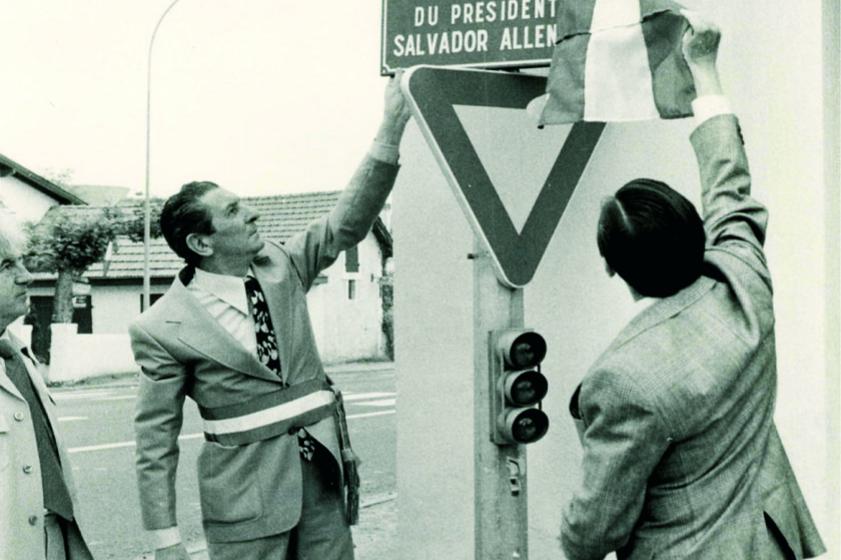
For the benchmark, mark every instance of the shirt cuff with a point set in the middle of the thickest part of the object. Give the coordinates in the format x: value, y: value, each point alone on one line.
x: 709, y: 106
x: 388, y: 153
x: 165, y: 538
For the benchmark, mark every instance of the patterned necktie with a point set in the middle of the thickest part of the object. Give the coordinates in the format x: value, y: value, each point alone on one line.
x: 267, y: 349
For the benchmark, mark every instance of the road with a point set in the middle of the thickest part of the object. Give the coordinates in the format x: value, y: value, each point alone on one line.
x: 96, y: 423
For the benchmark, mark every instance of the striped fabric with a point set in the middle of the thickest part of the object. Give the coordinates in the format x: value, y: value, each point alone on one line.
x: 278, y: 413
x: 617, y: 60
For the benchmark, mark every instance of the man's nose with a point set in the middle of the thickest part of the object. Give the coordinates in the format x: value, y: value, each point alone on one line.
x: 23, y: 278
x: 252, y: 214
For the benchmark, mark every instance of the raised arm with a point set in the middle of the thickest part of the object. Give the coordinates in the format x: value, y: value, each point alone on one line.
x: 362, y: 200
x: 732, y: 219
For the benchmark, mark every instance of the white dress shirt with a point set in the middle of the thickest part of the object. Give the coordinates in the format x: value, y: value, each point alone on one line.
x: 223, y: 296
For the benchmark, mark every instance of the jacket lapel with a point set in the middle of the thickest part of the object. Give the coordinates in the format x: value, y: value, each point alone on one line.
x: 201, y: 332
x: 661, y: 310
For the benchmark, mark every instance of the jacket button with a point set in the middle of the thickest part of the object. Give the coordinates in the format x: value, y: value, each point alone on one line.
x: 19, y: 416
x: 27, y: 469
x: 33, y: 519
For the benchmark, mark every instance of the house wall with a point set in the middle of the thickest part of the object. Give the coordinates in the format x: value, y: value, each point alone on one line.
x: 789, y: 119
x: 26, y: 201
x: 348, y: 329
x: 115, y: 307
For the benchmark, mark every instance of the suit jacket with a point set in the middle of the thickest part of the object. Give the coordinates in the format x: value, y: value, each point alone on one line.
x: 21, y: 493
x: 253, y: 490
x: 681, y: 455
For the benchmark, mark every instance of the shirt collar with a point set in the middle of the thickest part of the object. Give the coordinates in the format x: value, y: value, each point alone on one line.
x: 230, y: 289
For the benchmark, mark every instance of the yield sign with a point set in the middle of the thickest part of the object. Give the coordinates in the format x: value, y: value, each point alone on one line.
x: 433, y: 92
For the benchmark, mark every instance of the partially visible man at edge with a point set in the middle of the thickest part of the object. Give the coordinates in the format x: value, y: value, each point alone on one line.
x: 233, y: 333
x: 37, y: 495
x: 681, y: 455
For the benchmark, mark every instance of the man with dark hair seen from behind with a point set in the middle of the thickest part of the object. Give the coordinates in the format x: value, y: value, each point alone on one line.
x: 681, y: 456
x: 37, y: 506
x: 233, y: 333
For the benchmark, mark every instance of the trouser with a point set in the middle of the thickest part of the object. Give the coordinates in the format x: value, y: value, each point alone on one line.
x: 322, y: 532
x: 63, y: 540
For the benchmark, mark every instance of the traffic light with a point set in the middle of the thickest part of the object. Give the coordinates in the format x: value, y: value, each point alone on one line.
x: 517, y: 386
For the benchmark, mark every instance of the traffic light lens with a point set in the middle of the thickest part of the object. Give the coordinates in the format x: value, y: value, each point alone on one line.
x: 529, y: 426
x: 527, y: 350
x: 527, y: 388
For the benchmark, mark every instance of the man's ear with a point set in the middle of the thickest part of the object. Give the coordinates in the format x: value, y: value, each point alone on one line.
x: 200, y: 244
x: 607, y: 268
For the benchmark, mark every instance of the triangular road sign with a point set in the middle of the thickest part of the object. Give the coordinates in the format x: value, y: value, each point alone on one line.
x: 433, y: 92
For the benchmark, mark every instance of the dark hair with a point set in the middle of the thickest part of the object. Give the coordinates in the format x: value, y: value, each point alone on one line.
x: 183, y: 214
x: 652, y: 237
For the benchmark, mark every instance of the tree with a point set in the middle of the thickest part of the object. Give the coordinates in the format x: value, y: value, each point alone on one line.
x: 68, y: 243
x: 133, y: 227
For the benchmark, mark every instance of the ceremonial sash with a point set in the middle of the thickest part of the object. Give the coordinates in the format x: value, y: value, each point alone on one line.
x: 273, y: 414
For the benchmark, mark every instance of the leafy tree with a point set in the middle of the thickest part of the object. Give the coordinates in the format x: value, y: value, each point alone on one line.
x: 133, y: 226
x: 70, y: 239
x: 68, y: 243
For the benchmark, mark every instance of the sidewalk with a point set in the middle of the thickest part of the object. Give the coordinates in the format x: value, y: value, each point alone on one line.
x: 374, y: 537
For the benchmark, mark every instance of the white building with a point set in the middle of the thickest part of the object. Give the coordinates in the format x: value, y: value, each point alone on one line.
x: 28, y: 194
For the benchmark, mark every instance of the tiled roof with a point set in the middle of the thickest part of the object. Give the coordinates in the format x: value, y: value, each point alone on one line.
x: 42, y: 184
x: 281, y: 217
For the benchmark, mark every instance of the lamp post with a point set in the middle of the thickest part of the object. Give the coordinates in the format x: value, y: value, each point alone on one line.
x: 147, y: 213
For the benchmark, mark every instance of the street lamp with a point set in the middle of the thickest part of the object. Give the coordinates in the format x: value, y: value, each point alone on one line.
x: 147, y: 213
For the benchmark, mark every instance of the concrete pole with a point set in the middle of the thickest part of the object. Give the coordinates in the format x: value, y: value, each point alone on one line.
x: 501, y: 496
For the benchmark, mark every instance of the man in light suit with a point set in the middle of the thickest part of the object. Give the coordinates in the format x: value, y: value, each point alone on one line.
x: 37, y: 509
x: 681, y: 456
x: 233, y: 333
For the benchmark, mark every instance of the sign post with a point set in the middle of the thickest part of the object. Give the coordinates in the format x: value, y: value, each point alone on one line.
x: 501, y: 507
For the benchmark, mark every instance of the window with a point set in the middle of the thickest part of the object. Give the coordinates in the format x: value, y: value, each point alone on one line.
x: 152, y: 299
x: 351, y: 289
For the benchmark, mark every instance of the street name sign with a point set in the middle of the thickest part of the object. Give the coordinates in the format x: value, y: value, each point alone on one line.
x: 485, y: 33
x: 433, y: 92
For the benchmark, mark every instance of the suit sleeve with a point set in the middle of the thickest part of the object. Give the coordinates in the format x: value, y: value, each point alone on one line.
x: 157, y: 423
x: 624, y: 438
x: 732, y: 218
x: 348, y: 222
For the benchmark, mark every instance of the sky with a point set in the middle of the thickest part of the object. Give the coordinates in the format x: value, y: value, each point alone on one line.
x: 261, y: 96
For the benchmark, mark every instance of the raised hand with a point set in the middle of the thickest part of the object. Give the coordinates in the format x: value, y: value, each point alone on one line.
x: 396, y: 112
x: 700, y: 49
x: 701, y: 40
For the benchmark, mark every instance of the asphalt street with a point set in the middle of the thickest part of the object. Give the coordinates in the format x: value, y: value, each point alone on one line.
x: 96, y: 423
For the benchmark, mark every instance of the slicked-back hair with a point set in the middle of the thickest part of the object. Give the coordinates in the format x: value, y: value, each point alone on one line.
x: 184, y: 214
x: 652, y: 237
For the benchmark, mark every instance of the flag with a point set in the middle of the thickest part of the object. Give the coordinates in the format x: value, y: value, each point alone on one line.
x: 617, y: 60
